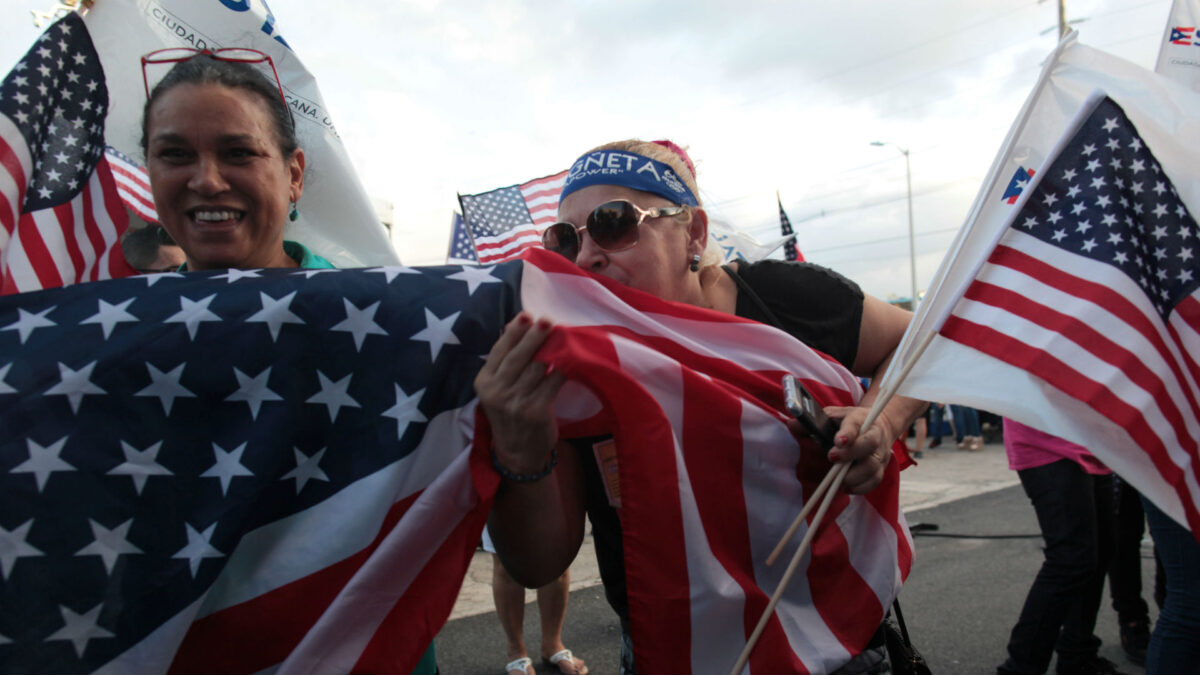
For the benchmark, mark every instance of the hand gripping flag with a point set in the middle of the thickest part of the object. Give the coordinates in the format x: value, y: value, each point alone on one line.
x: 60, y: 217
x: 1078, y: 304
x: 268, y: 469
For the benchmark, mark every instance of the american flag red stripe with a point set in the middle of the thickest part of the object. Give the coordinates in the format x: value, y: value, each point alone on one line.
x: 70, y: 243
x: 372, y: 611
x: 1117, y: 363
x: 708, y: 476
x: 511, y: 245
x: 541, y: 196
x: 1085, y: 335
x: 14, y: 167
x: 133, y: 185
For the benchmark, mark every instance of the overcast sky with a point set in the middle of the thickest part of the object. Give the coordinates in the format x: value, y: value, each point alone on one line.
x: 435, y: 98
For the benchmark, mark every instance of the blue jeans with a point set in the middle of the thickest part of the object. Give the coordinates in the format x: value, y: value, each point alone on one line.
x: 1074, y: 510
x: 937, y: 421
x: 966, y: 421
x: 1175, y: 643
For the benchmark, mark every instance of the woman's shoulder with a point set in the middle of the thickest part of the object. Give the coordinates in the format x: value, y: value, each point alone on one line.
x: 767, y: 275
x: 304, y: 257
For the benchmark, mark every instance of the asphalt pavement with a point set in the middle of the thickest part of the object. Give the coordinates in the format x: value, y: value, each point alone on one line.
x: 965, y: 591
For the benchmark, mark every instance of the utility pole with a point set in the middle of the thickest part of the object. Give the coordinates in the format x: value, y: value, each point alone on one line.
x: 1064, y: 26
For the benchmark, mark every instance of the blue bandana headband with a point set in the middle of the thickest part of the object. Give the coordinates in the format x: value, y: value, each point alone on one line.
x: 628, y: 169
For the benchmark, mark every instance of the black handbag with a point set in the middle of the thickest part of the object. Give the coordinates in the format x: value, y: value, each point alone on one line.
x: 905, y: 658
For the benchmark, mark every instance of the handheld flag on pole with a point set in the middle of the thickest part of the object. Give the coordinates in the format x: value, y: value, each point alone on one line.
x: 506, y: 221
x: 61, y: 219
x: 1078, y: 304
x: 790, y: 250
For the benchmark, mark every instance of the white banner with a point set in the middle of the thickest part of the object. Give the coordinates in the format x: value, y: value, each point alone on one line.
x: 738, y: 245
x: 336, y: 219
x: 1179, y: 52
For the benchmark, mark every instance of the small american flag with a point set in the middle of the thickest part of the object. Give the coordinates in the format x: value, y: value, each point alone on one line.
x: 462, y: 250
x: 1088, y: 303
x: 790, y: 250
x: 1105, y: 226
x: 133, y: 184
x: 506, y: 221
x: 60, y: 216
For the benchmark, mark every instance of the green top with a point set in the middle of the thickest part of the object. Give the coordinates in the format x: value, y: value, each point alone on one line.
x: 307, y: 259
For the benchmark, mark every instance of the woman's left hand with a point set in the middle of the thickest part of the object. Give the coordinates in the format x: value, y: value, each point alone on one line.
x: 869, y: 450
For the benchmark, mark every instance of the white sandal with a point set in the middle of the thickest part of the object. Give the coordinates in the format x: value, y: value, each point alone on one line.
x: 566, y: 655
x: 521, y: 665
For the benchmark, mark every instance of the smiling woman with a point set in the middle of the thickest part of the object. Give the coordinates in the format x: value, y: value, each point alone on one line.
x: 225, y: 168
x: 226, y: 171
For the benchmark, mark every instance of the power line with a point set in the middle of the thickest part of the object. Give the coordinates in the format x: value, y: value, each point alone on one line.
x: 959, y: 92
x: 881, y: 240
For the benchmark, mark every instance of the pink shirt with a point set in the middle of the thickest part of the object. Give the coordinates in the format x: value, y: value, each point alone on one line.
x: 1029, y: 448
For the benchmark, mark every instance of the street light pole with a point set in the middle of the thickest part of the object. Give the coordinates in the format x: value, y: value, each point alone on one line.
x: 912, y: 246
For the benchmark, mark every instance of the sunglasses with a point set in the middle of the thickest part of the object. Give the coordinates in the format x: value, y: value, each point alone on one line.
x: 230, y: 54
x: 614, y: 226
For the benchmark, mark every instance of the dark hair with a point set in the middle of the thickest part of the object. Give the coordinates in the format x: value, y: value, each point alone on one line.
x: 204, y: 69
x: 141, y: 246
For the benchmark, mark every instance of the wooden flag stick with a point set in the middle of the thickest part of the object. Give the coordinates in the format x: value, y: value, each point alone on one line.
x: 809, y: 505
x: 873, y: 413
x: 838, y: 474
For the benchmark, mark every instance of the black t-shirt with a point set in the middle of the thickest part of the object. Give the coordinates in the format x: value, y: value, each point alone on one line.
x: 814, y: 304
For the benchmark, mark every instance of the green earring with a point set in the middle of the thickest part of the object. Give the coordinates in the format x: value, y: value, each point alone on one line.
x: 293, y: 214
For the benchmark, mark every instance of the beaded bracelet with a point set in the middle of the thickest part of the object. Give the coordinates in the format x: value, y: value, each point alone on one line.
x: 525, y: 477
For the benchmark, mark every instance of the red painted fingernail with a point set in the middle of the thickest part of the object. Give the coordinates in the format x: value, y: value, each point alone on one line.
x: 835, y: 457
x: 524, y: 319
x: 842, y: 440
x: 543, y: 324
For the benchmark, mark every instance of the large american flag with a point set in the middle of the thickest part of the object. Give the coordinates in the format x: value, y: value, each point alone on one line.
x: 60, y: 216
x: 506, y: 221
x: 710, y: 478
x: 229, y: 472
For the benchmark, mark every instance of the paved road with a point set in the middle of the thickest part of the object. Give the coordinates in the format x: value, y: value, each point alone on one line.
x: 960, y: 600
